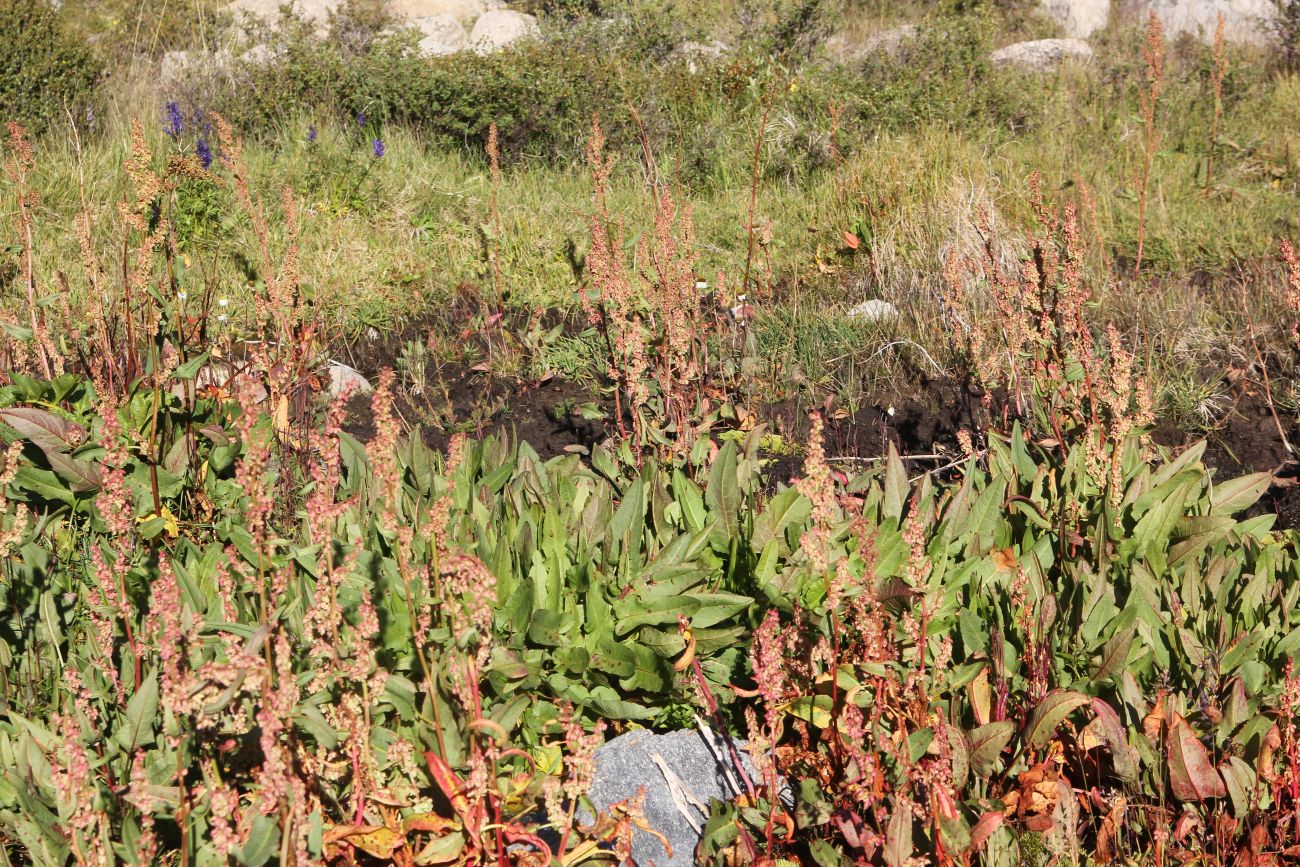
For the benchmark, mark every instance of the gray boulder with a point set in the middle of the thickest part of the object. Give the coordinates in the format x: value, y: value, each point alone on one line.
x: 1078, y: 18
x: 681, y: 772
x: 497, y: 28
x: 1245, y: 21
x: 441, y: 34
x: 1041, y: 55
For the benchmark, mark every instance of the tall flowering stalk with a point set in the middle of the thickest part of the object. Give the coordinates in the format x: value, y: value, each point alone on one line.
x: 18, y: 168
x: 648, y: 311
x: 1153, y: 55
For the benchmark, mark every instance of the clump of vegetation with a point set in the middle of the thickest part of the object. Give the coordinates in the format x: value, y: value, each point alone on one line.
x: 47, y: 74
x: 249, y: 615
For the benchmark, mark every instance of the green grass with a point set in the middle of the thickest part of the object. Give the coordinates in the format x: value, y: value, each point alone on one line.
x: 922, y: 151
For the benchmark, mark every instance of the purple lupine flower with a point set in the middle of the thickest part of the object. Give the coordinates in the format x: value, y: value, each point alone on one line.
x: 311, y: 133
x: 377, y: 147
x: 361, y: 118
x: 90, y: 117
x: 173, y: 120
x: 204, y: 152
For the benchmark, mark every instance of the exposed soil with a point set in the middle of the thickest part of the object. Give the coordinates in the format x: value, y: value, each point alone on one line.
x: 456, y: 397
x: 1248, y: 438
x: 920, y: 418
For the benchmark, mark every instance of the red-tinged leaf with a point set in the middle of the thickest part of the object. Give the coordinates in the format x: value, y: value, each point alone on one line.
x: 987, y: 743
x: 429, y: 822
x: 851, y: 241
x: 984, y: 829
x: 1123, y: 756
x: 1050, y: 713
x: 1191, y: 774
x: 449, y: 783
x: 81, y: 476
x: 43, y: 428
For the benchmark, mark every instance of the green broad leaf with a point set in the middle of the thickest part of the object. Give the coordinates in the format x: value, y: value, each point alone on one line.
x: 1237, y: 495
x: 1241, y: 783
x: 190, y: 369
x: 722, y: 491
x: 1246, y: 648
x: 606, y: 701
x: 262, y: 844
x: 1050, y: 713
x: 629, y: 516
x: 141, y: 714
x: 787, y: 508
x: 33, y: 483
x: 1115, y: 654
x: 310, y: 719
x: 918, y: 742
x: 987, y: 743
x: 815, y: 709
x: 548, y: 628
x: 896, y: 486
x: 714, y: 608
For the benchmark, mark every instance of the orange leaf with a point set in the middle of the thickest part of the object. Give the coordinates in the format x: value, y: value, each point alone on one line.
x: 851, y: 241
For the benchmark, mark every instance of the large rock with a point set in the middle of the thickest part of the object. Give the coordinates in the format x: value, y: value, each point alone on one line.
x: 1078, y: 18
x: 464, y: 11
x: 315, y: 11
x: 681, y: 772
x: 441, y: 34
x: 1041, y: 55
x: 1246, y: 21
x: 179, y: 67
x: 497, y: 28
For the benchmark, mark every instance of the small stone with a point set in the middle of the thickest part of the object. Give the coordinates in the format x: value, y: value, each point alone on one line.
x: 346, y: 380
x: 1042, y: 55
x: 498, y: 28
x: 874, y: 310
x: 702, y: 772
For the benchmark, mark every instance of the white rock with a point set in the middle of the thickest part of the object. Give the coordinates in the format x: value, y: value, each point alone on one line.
x: 441, y: 34
x: 464, y: 11
x: 347, y: 380
x: 260, y: 55
x: 314, y: 11
x: 693, y: 52
x: 1041, y: 55
x: 1079, y: 18
x: 1246, y: 21
x: 874, y: 310
x: 496, y: 29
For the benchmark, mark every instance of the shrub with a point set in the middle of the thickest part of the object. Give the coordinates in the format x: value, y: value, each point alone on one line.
x: 44, y: 69
x: 541, y: 95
